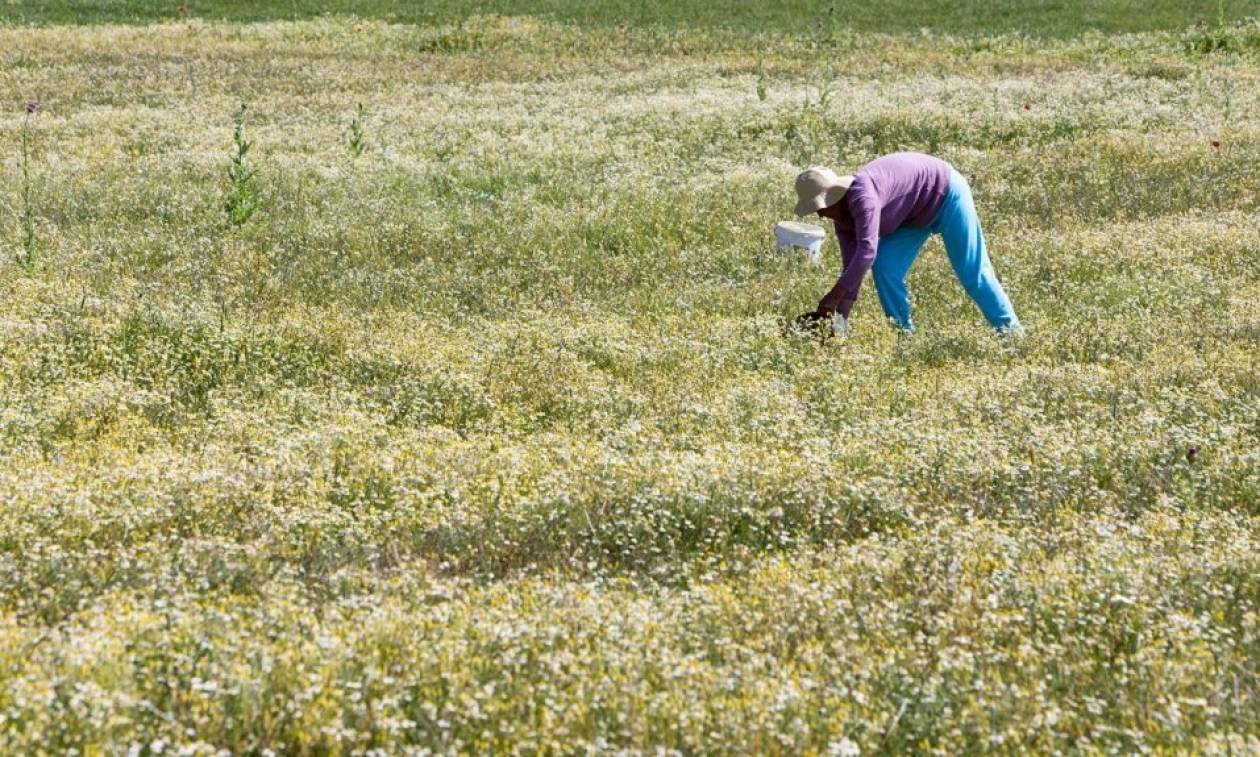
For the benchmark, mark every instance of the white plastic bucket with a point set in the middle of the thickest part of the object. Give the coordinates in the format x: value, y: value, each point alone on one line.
x: 806, y: 236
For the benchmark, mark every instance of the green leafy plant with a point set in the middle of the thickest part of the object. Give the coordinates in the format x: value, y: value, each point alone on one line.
x: 1240, y: 38
x: 806, y: 130
x: 763, y: 88
x: 241, y: 200
x: 357, y: 140
x: 826, y: 95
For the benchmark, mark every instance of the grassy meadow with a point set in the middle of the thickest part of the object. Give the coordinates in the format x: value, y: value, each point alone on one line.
x: 464, y: 420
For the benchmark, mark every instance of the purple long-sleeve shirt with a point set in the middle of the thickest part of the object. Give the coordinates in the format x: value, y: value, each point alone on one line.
x: 901, y: 189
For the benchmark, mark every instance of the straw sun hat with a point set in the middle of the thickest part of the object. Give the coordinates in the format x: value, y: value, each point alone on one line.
x: 818, y: 187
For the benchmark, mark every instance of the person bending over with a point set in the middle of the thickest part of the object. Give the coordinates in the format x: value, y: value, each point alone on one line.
x: 883, y: 214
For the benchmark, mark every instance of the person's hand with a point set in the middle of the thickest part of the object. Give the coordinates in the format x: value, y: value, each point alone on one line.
x: 808, y: 322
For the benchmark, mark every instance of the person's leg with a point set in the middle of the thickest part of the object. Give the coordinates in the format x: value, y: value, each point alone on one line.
x: 896, y: 253
x: 959, y: 226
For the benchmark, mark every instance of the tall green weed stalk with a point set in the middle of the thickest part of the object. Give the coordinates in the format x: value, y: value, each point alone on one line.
x: 241, y: 201
x: 357, y: 140
x: 833, y: 23
x: 27, y: 258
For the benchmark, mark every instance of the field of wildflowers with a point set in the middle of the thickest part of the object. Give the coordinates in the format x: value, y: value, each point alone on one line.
x: 437, y: 398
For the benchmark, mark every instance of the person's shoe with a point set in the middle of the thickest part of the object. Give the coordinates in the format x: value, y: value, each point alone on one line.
x: 1013, y: 333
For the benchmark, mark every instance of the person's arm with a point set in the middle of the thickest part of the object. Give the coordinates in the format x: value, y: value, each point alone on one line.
x: 857, y: 251
x: 837, y: 300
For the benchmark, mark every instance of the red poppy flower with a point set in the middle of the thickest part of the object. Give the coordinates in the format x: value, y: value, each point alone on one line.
x: 1215, y: 143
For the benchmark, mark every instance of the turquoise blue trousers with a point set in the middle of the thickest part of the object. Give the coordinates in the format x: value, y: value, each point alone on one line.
x: 959, y: 227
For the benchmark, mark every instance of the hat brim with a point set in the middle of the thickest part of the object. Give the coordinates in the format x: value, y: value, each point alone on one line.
x: 810, y: 205
x: 824, y: 199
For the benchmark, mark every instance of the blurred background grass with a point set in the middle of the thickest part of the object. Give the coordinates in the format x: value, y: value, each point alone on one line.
x: 1034, y: 17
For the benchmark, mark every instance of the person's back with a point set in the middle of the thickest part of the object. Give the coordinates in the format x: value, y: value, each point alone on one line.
x: 907, y: 187
x: 909, y: 184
